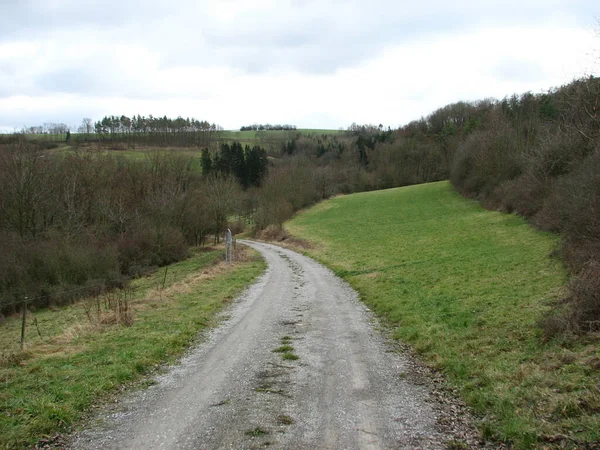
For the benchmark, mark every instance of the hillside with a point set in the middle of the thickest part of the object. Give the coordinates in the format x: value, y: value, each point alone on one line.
x: 466, y: 288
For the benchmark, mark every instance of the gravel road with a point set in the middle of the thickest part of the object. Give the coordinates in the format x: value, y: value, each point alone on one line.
x: 348, y: 388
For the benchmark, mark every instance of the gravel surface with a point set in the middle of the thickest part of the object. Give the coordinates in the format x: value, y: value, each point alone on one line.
x: 348, y: 388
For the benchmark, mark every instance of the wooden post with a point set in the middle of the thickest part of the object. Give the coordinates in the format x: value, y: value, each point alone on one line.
x: 23, y: 321
x: 165, y: 277
x: 35, y: 322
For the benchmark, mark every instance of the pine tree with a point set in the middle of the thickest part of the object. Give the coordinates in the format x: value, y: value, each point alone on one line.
x: 256, y: 165
x: 223, y: 162
x: 238, y: 163
x: 206, y: 162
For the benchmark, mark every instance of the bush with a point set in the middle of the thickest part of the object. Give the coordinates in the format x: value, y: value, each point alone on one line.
x: 237, y: 226
x: 135, y: 248
x: 572, y: 207
x: 580, y: 312
x: 554, y: 155
x: 585, y: 297
x: 47, y: 272
x: 86, y: 218
x: 487, y: 159
x: 168, y: 246
x: 524, y: 195
x: 286, y: 189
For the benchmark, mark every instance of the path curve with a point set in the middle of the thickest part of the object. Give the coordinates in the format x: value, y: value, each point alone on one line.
x: 346, y: 390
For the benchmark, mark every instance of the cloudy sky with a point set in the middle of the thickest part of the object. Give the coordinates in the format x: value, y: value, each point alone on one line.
x: 315, y: 64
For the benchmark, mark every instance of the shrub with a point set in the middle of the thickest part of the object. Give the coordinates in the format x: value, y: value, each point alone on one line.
x: 286, y: 189
x: 487, y: 159
x: 585, y: 297
x: 580, y: 312
x: 572, y: 207
x: 524, y: 195
x: 134, y: 247
x: 168, y: 246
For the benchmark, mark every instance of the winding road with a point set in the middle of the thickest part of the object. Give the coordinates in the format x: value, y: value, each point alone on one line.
x: 347, y: 389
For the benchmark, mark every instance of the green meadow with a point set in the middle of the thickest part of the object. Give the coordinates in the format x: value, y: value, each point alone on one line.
x: 466, y: 288
x: 276, y: 134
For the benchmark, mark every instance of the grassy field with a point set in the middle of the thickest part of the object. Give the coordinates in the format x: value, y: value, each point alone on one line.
x: 141, y: 153
x: 276, y: 134
x: 83, y: 357
x: 244, y: 136
x: 466, y: 288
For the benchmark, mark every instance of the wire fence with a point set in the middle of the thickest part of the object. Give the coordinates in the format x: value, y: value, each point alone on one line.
x: 107, y: 302
x: 96, y: 304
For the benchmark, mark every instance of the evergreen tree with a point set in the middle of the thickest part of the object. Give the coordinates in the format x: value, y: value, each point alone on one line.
x: 223, y: 163
x: 256, y: 165
x: 238, y: 163
x: 289, y: 147
x: 217, y: 165
x: 206, y: 162
x: 248, y: 165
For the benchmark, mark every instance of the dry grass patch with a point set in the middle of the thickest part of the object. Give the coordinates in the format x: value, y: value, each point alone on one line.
x: 283, y: 239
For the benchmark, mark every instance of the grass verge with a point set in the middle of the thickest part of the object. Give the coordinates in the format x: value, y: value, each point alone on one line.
x: 466, y: 288
x: 77, y: 360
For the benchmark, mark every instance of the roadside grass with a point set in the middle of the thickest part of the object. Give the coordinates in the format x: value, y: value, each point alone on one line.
x: 466, y: 287
x: 77, y: 362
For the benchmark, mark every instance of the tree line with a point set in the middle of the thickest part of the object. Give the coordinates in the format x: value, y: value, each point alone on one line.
x: 47, y: 128
x: 124, y: 132
x: 268, y: 127
x: 152, y: 131
x: 247, y: 164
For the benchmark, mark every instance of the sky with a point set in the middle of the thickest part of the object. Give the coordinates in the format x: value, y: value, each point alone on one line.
x: 313, y: 64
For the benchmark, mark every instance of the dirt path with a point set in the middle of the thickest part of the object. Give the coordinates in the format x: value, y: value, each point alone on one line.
x: 347, y: 389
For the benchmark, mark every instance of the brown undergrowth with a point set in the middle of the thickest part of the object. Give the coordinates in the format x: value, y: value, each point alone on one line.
x: 283, y: 238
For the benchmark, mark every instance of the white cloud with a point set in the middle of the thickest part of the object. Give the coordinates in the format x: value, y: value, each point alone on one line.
x: 313, y: 64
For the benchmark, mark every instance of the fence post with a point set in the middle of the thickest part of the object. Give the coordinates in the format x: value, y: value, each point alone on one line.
x: 228, y: 247
x: 165, y: 278
x: 23, y: 321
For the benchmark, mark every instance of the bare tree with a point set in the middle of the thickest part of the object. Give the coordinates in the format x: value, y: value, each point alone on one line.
x: 222, y: 196
x: 86, y: 127
x: 25, y: 202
